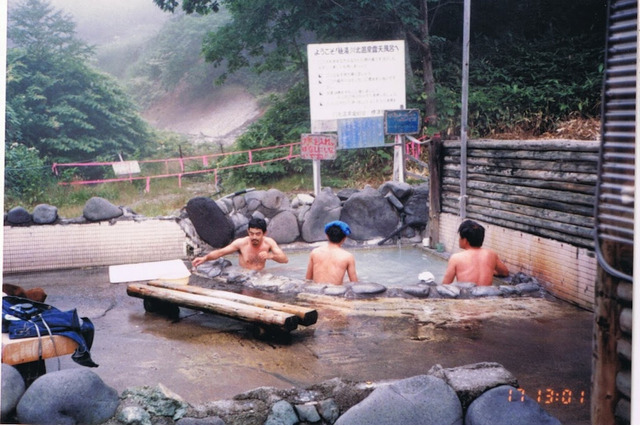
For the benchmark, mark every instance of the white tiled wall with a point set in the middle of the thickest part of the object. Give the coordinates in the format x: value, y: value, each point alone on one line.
x: 47, y: 247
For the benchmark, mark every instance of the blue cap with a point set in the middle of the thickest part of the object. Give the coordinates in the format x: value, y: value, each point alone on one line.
x: 343, y: 226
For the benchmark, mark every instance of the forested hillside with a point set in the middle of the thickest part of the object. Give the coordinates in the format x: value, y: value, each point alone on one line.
x: 535, y: 65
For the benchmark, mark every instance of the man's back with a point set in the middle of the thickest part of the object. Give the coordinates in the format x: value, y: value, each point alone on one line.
x: 477, y: 265
x: 329, y: 264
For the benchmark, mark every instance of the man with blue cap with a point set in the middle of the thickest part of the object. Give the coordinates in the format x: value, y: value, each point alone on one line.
x: 329, y: 263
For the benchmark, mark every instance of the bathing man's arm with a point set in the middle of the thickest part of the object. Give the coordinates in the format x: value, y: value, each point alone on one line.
x: 215, y: 254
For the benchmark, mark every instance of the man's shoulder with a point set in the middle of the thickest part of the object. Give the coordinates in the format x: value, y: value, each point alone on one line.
x: 269, y: 241
x: 460, y: 256
x: 240, y: 241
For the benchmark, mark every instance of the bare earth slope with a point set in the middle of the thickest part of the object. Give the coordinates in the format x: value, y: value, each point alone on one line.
x: 219, y: 117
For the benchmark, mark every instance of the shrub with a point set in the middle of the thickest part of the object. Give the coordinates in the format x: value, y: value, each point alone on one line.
x: 26, y: 175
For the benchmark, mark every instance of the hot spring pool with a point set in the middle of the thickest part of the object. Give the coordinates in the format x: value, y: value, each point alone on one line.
x: 389, y: 266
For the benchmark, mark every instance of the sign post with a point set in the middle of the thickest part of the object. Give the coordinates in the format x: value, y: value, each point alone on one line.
x: 350, y: 87
x: 318, y: 147
x: 398, y: 159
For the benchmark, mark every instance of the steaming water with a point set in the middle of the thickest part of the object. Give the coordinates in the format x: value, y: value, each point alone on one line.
x: 391, y: 267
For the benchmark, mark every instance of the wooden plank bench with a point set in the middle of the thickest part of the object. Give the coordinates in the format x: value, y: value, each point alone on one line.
x: 21, y: 351
x: 24, y: 354
x: 266, y: 314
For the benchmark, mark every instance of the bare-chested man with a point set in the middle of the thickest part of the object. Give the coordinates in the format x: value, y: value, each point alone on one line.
x: 254, y: 249
x: 475, y: 264
x: 328, y: 264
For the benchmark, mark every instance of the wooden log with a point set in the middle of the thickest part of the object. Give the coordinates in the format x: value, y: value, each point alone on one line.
x: 523, y: 224
x: 452, y: 169
x: 535, y: 225
x: 529, y: 228
x: 527, y: 155
x: 569, y: 186
x: 537, y: 145
x: 543, y: 215
x: 20, y: 351
x: 548, y: 205
x: 435, y: 190
x: 579, y: 188
x: 581, y: 228
x: 228, y: 308
x: 306, y: 316
x: 542, y: 194
x: 573, y: 166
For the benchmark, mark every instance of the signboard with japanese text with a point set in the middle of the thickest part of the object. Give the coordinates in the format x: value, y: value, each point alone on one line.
x: 402, y: 122
x: 367, y: 132
x: 353, y: 80
x: 318, y: 146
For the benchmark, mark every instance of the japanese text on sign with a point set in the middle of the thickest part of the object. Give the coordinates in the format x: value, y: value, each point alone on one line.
x: 318, y: 147
x: 403, y: 121
x: 351, y: 80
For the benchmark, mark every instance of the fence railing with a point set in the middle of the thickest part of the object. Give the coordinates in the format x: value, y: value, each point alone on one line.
x: 180, y: 165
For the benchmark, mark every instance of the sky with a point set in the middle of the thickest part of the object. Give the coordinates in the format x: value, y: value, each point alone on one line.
x: 102, y: 21
x: 97, y: 22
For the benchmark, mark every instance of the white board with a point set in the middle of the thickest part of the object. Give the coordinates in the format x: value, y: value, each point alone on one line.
x: 174, y: 270
x: 352, y: 80
x: 124, y: 168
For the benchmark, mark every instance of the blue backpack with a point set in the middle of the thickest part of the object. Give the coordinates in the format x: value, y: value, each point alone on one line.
x: 25, y: 318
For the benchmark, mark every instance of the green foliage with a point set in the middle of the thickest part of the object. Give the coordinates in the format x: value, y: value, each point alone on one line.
x: 357, y: 165
x: 173, y: 57
x: 26, y: 176
x: 56, y: 102
x: 189, y: 6
x: 531, y: 84
x: 283, y: 123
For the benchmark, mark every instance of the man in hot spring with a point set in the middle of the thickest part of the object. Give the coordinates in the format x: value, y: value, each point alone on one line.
x: 330, y: 263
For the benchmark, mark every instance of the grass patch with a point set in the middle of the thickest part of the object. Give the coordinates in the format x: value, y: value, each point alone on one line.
x: 167, y: 197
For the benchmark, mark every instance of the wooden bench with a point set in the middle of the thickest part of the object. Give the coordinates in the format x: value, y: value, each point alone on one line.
x: 268, y: 315
x: 21, y: 351
x: 27, y: 354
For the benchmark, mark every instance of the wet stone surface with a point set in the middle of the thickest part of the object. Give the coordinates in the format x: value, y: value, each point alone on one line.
x: 221, y: 272
x: 543, y: 342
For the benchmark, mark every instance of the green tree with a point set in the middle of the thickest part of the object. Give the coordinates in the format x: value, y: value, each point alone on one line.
x: 57, y: 103
x: 26, y: 176
x: 271, y: 35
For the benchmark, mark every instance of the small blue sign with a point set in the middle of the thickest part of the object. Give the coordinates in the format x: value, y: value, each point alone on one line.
x: 402, y: 122
x: 366, y: 132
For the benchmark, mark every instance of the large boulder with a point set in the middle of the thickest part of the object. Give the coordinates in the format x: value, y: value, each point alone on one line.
x: 400, y: 190
x: 326, y: 208
x: 471, y: 381
x: 419, y: 400
x: 253, y: 200
x: 210, y: 222
x: 44, y: 214
x: 283, y: 227
x: 369, y: 215
x: 273, y: 202
x: 416, y: 206
x: 97, y: 209
x: 506, y: 405
x: 18, y: 216
x: 13, y: 388
x: 72, y: 396
x: 282, y: 413
x: 268, y: 203
x: 302, y: 200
